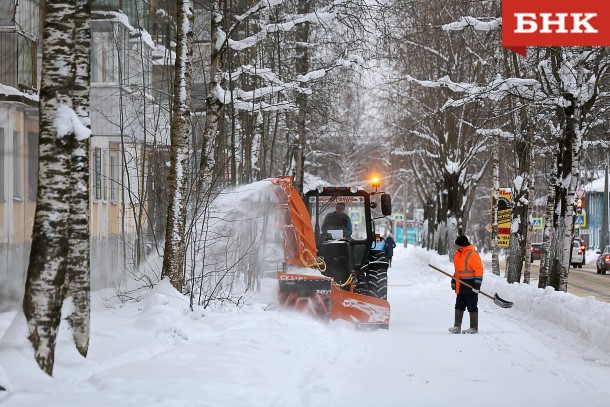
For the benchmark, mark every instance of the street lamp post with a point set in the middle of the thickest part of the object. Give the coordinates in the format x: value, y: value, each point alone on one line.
x: 604, y: 228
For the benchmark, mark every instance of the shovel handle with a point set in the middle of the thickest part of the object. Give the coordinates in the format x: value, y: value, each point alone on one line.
x: 462, y: 282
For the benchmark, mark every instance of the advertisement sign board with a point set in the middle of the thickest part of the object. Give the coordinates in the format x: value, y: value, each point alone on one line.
x: 505, y: 205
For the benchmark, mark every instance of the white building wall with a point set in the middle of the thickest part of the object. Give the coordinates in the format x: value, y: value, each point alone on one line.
x: 142, y: 122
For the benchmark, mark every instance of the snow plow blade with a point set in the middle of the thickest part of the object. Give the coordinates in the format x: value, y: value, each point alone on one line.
x: 323, y: 299
x: 363, y: 310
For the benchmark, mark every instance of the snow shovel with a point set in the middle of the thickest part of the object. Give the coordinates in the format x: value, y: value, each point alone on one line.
x: 499, y: 301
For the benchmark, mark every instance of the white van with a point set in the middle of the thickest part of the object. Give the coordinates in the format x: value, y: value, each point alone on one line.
x: 577, y: 259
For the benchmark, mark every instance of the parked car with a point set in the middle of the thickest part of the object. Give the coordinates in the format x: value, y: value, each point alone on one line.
x: 536, y: 250
x: 603, y: 261
x: 577, y: 259
x: 582, y: 247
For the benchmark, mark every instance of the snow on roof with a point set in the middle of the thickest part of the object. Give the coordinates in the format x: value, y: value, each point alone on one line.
x: 10, y: 91
x: 123, y: 19
x: 596, y: 185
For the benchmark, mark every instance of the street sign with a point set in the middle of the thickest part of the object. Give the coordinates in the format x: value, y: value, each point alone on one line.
x: 580, y: 220
x: 537, y: 223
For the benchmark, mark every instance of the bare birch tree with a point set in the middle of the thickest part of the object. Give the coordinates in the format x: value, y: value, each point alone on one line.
x: 47, y: 269
x: 174, y: 255
x: 213, y: 103
x: 78, y: 277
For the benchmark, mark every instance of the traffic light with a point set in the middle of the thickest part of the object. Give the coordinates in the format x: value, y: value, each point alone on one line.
x: 579, y: 206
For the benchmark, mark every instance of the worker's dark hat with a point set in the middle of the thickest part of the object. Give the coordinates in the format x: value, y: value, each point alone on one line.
x: 462, y: 241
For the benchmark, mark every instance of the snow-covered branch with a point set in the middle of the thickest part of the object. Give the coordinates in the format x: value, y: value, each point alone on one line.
x: 495, y: 132
x: 242, y: 100
x: 261, y: 5
x: 426, y: 137
x: 427, y: 49
x: 318, y: 17
x: 475, y: 23
x: 264, y: 73
x: 496, y: 90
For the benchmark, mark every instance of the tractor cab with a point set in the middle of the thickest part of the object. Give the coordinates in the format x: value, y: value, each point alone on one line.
x: 344, y: 228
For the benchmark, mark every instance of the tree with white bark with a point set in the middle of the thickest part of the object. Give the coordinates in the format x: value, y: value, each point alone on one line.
x: 59, y: 219
x: 175, y: 246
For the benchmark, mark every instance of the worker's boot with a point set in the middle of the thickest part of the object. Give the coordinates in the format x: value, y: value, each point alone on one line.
x: 457, y: 325
x: 474, y: 324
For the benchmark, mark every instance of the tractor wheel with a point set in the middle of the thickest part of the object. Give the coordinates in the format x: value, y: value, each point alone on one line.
x: 373, y: 279
x: 377, y: 276
x: 379, y: 283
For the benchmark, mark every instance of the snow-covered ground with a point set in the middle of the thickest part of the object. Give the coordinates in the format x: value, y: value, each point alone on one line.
x: 550, y: 349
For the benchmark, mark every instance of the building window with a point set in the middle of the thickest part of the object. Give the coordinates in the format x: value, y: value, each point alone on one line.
x: 97, y: 173
x: 2, y: 160
x: 8, y: 50
x: 105, y: 175
x: 17, y: 194
x: 102, y: 57
x: 24, y: 64
x: 115, y: 166
x: 7, y: 11
x: 32, y: 166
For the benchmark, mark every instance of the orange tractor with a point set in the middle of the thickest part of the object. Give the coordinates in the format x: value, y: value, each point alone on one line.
x: 333, y: 270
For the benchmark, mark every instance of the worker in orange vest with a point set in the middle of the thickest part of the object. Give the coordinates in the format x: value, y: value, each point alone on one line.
x: 468, y: 268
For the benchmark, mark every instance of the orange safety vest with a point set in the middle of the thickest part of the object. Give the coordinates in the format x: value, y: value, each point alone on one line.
x: 468, y: 266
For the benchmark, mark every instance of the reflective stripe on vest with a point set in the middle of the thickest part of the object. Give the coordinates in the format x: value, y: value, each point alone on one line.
x: 465, y: 272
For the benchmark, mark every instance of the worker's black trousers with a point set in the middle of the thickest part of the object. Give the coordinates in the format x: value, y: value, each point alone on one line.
x: 467, y: 300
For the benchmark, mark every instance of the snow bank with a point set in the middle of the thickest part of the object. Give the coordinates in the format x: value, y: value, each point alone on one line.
x: 587, y: 317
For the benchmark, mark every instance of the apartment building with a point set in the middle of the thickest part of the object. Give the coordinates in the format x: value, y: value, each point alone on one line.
x: 130, y: 134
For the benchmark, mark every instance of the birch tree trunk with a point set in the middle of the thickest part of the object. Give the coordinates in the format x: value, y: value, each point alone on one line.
x: 302, y: 66
x: 173, y: 258
x: 495, y: 250
x: 530, y: 207
x: 213, y: 103
x: 519, y: 221
x: 548, y: 234
x: 573, y: 128
x: 42, y: 300
x: 78, y: 277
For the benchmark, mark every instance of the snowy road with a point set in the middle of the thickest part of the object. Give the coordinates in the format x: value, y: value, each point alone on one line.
x: 155, y: 354
x: 584, y: 281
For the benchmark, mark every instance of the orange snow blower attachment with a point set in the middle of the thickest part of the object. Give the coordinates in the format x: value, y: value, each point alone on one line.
x: 349, y: 280
x: 298, y: 238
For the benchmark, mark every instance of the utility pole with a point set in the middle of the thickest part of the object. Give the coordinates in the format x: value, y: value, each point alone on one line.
x: 404, y: 222
x: 604, y: 228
